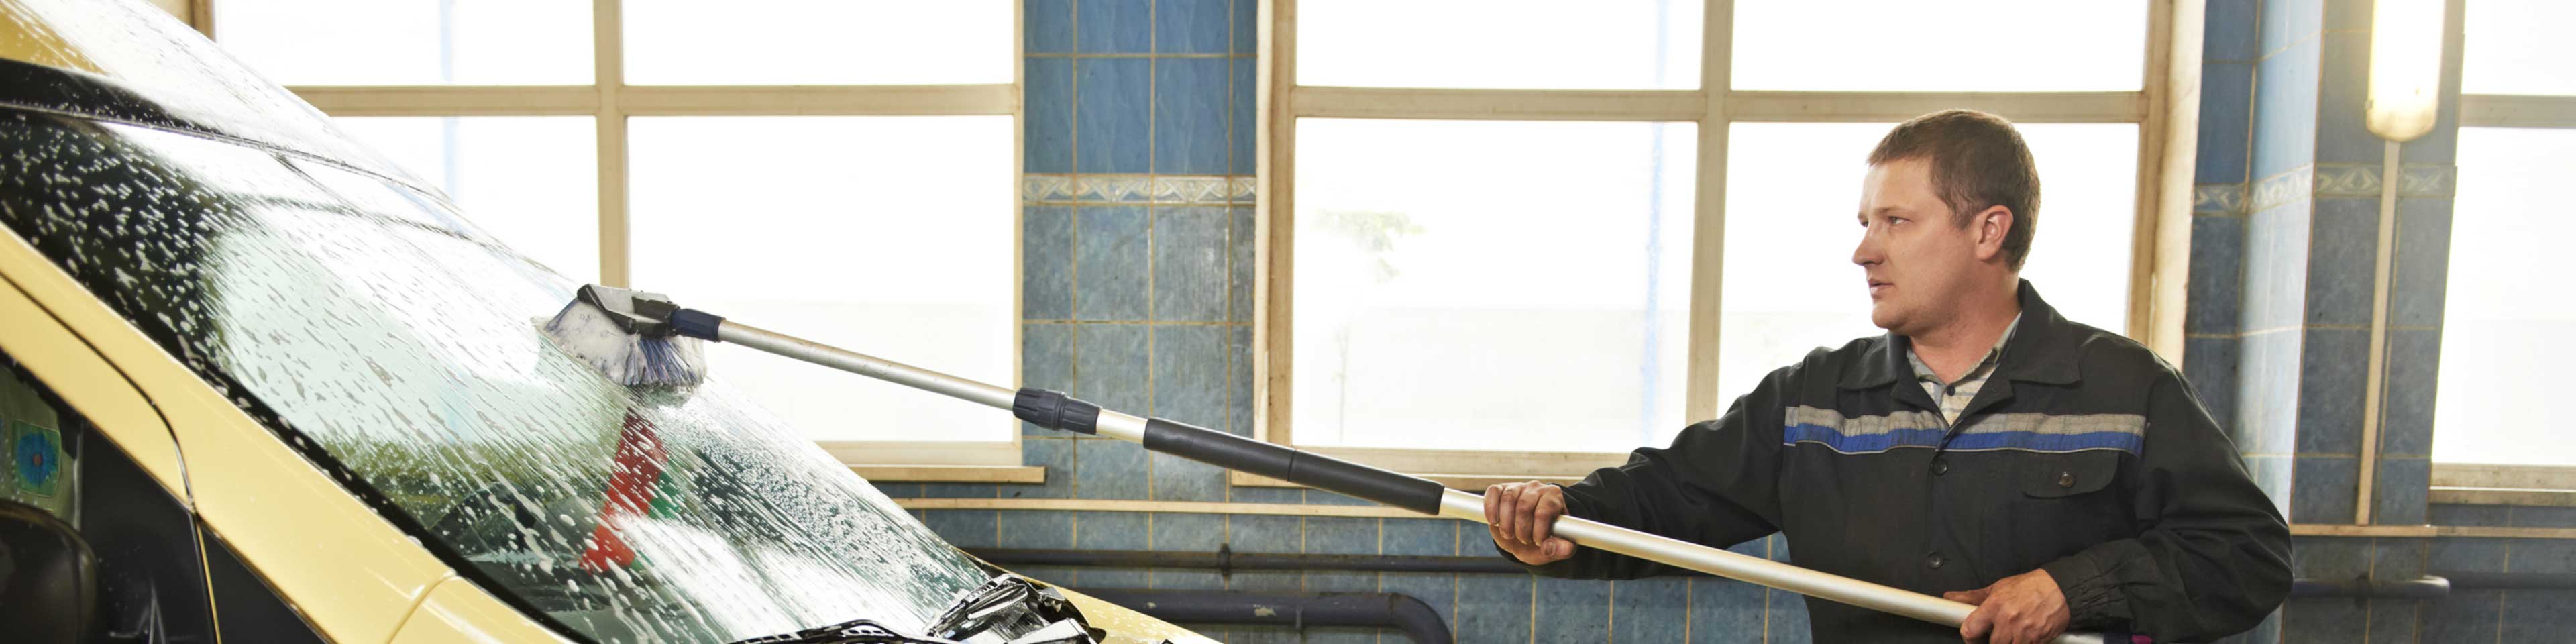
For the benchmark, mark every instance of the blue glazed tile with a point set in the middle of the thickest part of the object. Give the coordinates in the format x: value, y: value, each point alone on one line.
x: 2537, y: 616
x: 2217, y: 274
x: 2276, y: 267
x: 1780, y: 548
x: 1036, y: 529
x: 1054, y: 453
x: 1340, y: 635
x: 2285, y: 110
x: 2397, y: 558
x: 2414, y: 361
x: 896, y: 489
x: 1110, y: 365
x: 1190, y: 116
x: 1048, y: 123
x: 1110, y: 267
x: 2330, y: 557
x: 2288, y: 21
x: 1186, y: 579
x: 2471, y: 515
x: 2272, y: 473
x: 1105, y: 577
x: 1493, y: 608
x: 1725, y: 611
x: 1243, y: 127
x: 2327, y: 620
x: 1436, y: 589
x: 1188, y: 531
x: 1265, y: 581
x: 1058, y: 575
x: 2341, y: 135
x: 2421, y: 270
x: 1107, y: 469
x: 2543, y: 517
x: 2465, y: 616
x: 1341, y: 535
x: 963, y: 528
x: 1788, y: 615
x: 2392, y: 621
x: 1191, y: 26
x: 1181, y: 479
x: 2267, y: 381
x: 2229, y: 33
x: 1320, y: 497
x: 1238, y: 283
x: 2326, y: 486
x: 1189, y: 380
x: 1249, y: 494
x: 1112, y: 128
x: 1110, y: 530
x: 1046, y: 362
x: 1337, y: 581
x: 1239, y: 358
x: 2343, y: 251
x: 2226, y: 122
x: 2209, y: 366
x: 1190, y: 268
x: 1242, y: 16
x: 1572, y: 611
x: 1264, y: 635
x: 2464, y: 554
x: 1049, y: 26
x: 1115, y: 26
x: 958, y: 491
x: 2398, y: 491
x: 1265, y: 533
x: 1423, y: 537
x: 2330, y: 391
x: 1652, y: 611
x: 1046, y: 263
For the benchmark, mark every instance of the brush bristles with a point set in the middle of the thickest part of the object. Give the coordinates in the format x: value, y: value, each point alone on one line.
x: 589, y: 335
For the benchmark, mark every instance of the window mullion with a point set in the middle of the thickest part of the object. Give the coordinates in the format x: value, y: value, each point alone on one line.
x: 608, y: 57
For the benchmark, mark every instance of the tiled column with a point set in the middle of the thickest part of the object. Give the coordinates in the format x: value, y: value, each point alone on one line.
x: 2285, y: 247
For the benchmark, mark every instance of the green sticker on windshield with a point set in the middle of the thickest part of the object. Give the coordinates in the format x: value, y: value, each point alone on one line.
x: 37, y: 454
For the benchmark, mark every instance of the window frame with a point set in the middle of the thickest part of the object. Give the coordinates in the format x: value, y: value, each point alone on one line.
x: 609, y: 100
x: 2164, y: 108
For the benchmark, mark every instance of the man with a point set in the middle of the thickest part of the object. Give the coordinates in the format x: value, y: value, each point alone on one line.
x: 1985, y: 449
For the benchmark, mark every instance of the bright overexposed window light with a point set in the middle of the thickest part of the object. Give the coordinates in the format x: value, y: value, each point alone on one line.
x: 531, y: 181
x: 819, y: 42
x: 2501, y: 327
x: 1502, y: 44
x: 1916, y: 46
x: 2518, y: 47
x: 410, y: 42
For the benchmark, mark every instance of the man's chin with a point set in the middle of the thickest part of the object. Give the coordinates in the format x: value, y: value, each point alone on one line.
x: 1881, y: 317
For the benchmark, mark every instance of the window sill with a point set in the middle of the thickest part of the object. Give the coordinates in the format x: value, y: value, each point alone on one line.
x: 1469, y: 482
x: 950, y: 473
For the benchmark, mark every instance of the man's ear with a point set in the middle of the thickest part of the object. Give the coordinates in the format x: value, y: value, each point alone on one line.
x: 1993, y: 224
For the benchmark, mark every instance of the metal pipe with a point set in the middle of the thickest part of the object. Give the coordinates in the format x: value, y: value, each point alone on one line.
x: 1225, y: 561
x: 1452, y: 503
x: 2509, y: 580
x: 1388, y: 610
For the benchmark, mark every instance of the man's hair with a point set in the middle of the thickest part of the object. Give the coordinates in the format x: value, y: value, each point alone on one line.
x: 1978, y: 161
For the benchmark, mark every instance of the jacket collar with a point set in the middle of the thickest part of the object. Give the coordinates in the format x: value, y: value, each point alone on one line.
x: 2042, y: 349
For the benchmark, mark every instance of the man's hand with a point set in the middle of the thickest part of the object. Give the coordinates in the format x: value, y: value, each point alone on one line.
x: 2021, y: 609
x: 1521, y: 514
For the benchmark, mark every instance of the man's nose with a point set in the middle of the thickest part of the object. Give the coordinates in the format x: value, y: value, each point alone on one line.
x: 1866, y: 253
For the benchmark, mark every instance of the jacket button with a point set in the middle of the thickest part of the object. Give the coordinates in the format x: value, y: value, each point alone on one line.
x: 1933, y: 560
x: 2066, y: 479
x: 1940, y: 466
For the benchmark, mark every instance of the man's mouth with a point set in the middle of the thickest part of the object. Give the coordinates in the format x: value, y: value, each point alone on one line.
x: 1875, y: 286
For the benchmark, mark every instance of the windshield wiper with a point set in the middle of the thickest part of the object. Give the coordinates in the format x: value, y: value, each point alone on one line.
x: 1007, y: 603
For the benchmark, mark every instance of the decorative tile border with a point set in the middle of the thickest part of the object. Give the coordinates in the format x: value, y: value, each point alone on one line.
x: 2345, y: 180
x: 1137, y: 189
x: 2279, y: 189
x: 2218, y: 199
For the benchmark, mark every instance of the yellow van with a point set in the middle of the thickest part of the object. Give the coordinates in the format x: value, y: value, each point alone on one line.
x: 261, y: 386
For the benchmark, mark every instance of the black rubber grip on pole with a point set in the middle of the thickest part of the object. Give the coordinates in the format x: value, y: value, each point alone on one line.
x: 1281, y: 462
x: 1054, y: 410
x: 696, y: 324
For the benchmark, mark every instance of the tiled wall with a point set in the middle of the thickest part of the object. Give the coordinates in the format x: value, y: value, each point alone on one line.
x: 1137, y: 291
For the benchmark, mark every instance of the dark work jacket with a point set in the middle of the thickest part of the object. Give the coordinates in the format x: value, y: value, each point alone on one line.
x: 2083, y: 454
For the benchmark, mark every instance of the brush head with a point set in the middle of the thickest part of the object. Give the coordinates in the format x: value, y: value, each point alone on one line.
x: 626, y: 335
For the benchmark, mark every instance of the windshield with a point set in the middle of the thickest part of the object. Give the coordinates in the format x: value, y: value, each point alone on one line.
x: 372, y: 328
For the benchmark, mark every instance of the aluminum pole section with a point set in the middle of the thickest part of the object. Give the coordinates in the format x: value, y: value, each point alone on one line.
x: 1453, y: 503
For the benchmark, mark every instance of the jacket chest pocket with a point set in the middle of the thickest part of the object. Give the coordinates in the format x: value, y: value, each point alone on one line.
x: 2059, y: 476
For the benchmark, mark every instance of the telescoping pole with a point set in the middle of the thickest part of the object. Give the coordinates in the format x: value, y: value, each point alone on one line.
x: 1055, y: 410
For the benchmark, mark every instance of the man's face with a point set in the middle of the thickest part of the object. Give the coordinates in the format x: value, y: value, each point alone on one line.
x: 1917, y: 263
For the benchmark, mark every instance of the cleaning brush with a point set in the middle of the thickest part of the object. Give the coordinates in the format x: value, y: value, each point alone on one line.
x: 627, y: 336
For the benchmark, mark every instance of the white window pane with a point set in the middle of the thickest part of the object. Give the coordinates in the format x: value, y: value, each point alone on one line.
x: 1491, y: 285
x: 2502, y: 331
x: 819, y: 42
x: 532, y: 181
x: 1910, y: 45
x: 890, y: 236
x: 1791, y: 193
x: 1511, y: 44
x: 410, y: 42
x: 2518, y: 47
